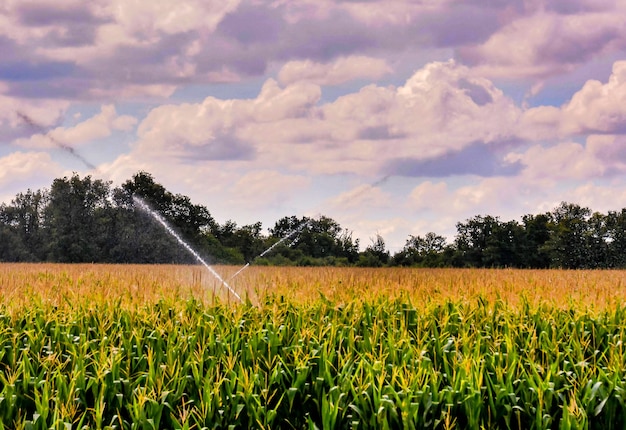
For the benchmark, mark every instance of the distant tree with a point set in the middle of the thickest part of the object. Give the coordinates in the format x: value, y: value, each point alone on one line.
x: 536, y: 233
x: 568, y: 244
x: 375, y: 254
x: 597, y: 242
x: 314, y: 241
x: 23, y: 220
x: 424, y: 251
x: 472, y: 239
x: 504, y: 245
x: 246, y: 242
x: 615, y: 223
x: 12, y: 249
x: 77, y: 218
x: 193, y: 223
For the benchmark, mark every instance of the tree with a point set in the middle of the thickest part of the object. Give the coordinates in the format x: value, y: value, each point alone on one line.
x: 193, y: 223
x: 426, y: 251
x: 77, y: 218
x: 615, y: 223
x: 596, y: 242
x: 536, y: 232
x: 376, y: 254
x: 504, y: 245
x: 473, y: 237
x: 314, y: 241
x: 23, y: 220
x: 568, y: 244
x: 246, y: 242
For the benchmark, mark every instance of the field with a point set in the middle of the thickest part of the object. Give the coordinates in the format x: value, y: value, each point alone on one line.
x: 139, y: 347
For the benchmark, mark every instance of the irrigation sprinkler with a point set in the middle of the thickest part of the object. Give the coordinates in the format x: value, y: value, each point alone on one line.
x: 146, y: 208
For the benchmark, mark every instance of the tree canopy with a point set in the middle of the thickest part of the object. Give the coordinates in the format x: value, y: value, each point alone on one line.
x: 83, y: 219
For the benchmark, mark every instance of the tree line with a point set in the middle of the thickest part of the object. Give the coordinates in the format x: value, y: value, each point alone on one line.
x: 82, y: 219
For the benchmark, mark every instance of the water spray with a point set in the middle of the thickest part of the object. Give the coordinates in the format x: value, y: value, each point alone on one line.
x: 146, y: 208
x: 268, y: 250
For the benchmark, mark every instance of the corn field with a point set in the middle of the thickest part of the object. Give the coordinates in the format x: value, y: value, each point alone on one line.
x: 148, y: 347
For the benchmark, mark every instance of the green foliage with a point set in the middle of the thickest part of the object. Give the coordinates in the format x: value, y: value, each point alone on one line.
x: 382, y: 364
x: 312, y: 241
x: 84, y: 220
x: 77, y: 219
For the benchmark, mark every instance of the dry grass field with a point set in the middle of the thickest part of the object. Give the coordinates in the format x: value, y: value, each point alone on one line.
x: 149, y: 347
x: 131, y: 285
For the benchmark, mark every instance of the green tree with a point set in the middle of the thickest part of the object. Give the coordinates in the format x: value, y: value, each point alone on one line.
x: 314, y: 241
x: 77, y: 218
x: 193, y: 223
x: 376, y: 253
x: 568, y: 244
x: 472, y: 239
x: 536, y: 233
x: 23, y: 220
x: 616, y: 238
x: 423, y: 251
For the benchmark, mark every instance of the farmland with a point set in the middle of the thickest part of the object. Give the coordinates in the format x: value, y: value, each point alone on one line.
x: 101, y: 346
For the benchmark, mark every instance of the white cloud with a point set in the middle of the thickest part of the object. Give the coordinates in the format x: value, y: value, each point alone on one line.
x: 97, y: 127
x: 547, y: 43
x: 146, y: 19
x: 16, y: 113
x: 598, y: 107
x: 443, y: 107
x: 19, y: 167
x: 600, y: 198
x: 265, y: 188
x: 365, y: 195
x: 343, y: 70
x: 430, y: 195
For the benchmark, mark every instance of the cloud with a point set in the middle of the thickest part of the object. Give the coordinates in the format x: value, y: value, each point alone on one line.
x: 70, y: 24
x: 32, y: 167
x: 219, y: 129
x: 440, y: 205
x: 563, y: 161
x: 266, y: 188
x: 597, y: 108
x: 340, y: 71
x: 45, y: 112
x: 112, y: 45
x: 545, y: 43
x: 112, y: 48
x: 365, y: 195
x: 425, y: 194
x: 475, y: 159
x: 97, y: 127
x: 443, y: 110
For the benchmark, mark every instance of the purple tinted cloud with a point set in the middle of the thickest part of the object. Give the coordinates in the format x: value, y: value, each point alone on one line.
x: 571, y: 7
x: 458, y: 25
x: 252, y: 24
x: 577, y: 50
x: 222, y: 148
x: 26, y: 71
x: 253, y: 36
x: 477, y: 93
x: 476, y: 159
x: 37, y: 15
x: 323, y: 40
x: 75, y: 25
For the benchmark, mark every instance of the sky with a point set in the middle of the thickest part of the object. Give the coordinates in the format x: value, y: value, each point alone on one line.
x: 392, y: 117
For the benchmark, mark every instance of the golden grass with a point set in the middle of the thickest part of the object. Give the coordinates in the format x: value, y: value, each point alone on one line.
x: 560, y: 288
x: 138, y: 285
